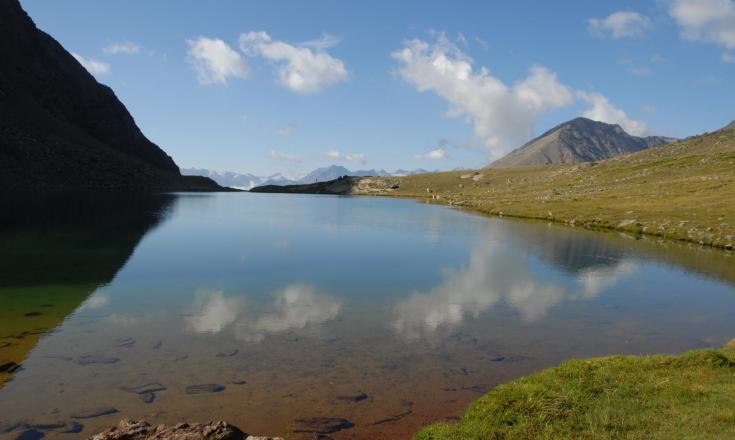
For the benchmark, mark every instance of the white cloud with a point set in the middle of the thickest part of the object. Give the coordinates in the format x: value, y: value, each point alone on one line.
x: 95, y: 67
x: 287, y: 131
x: 621, y: 24
x: 502, y: 115
x: 434, y: 155
x: 305, y: 68
x: 215, y: 61
x: 284, y: 156
x: 604, y: 111
x: 125, y: 47
x: 350, y: 157
x: 727, y: 58
x: 640, y: 71
x: 324, y: 42
x: 706, y: 20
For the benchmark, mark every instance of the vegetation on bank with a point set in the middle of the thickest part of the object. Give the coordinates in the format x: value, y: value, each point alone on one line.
x: 691, y: 396
x: 683, y: 191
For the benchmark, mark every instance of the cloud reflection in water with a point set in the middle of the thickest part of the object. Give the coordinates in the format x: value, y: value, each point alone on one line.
x: 491, y: 277
x: 295, y: 307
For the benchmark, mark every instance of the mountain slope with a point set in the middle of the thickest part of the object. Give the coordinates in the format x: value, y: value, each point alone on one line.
x: 578, y: 140
x: 61, y: 129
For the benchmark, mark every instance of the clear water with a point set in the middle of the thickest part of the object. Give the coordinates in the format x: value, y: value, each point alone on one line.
x: 296, y: 305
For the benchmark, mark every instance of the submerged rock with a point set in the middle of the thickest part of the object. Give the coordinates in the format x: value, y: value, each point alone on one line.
x: 321, y: 425
x: 146, y: 388
x: 90, y: 360
x: 353, y: 398
x: 204, y: 388
x: 92, y: 413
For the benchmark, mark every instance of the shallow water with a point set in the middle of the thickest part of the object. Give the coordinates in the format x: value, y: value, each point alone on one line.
x: 301, y: 306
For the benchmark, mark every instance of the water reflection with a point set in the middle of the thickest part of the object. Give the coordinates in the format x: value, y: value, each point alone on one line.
x: 57, y: 249
x: 296, y: 307
x: 496, y: 276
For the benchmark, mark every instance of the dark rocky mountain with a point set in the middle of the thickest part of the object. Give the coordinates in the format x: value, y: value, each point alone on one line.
x: 578, y: 140
x: 61, y: 129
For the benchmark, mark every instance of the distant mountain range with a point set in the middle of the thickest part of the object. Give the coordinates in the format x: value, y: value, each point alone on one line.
x: 248, y: 181
x: 61, y: 129
x: 578, y: 140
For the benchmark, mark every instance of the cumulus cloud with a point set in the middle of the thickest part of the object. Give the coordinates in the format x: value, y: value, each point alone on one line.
x: 215, y: 61
x: 621, y: 24
x: 287, y: 131
x: 434, y: 155
x: 727, y: 58
x: 601, y: 109
x: 95, y: 67
x: 350, y: 157
x: 502, y: 115
x: 284, y: 156
x: 304, y: 68
x: 125, y: 47
x: 706, y: 20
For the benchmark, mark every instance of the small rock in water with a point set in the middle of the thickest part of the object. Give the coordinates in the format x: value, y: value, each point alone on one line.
x: 237, y: 382
x: 89, y: 360
x: 48, y: 426
x: 34, y: 313
x: 92, y: 413
x: 30, y: 434
x: 228, y: 353
x: 156, y: 345
x: 498, y: 359
x: 150, y: 387
x: 125, y: 342
x: 7, y: 366
x: 321, y: 425
x: 353, y: 398
x: 148, y: 397
x: 74, y: 428
x: 204, y: 388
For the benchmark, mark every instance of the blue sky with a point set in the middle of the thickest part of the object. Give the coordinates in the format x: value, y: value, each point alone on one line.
x: 266, y: 87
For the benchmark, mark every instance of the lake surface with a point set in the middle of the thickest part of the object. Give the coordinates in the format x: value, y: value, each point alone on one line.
x: 388, y: 313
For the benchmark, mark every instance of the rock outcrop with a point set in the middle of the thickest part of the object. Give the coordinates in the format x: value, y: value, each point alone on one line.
x: 140, y: 430
x: 61, y: 129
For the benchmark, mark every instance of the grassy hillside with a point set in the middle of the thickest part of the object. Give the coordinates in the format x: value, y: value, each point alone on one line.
x: 634, y: 397
x: 684, y: 190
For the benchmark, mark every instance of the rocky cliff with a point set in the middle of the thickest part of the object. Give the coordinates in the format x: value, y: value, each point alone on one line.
x: 61, y: 129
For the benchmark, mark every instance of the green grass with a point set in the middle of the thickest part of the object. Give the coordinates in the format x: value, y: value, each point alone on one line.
x: 688, y: 396
x: 682, y: 191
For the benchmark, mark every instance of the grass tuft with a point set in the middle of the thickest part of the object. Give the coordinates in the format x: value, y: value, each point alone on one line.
x: 691, y: 395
